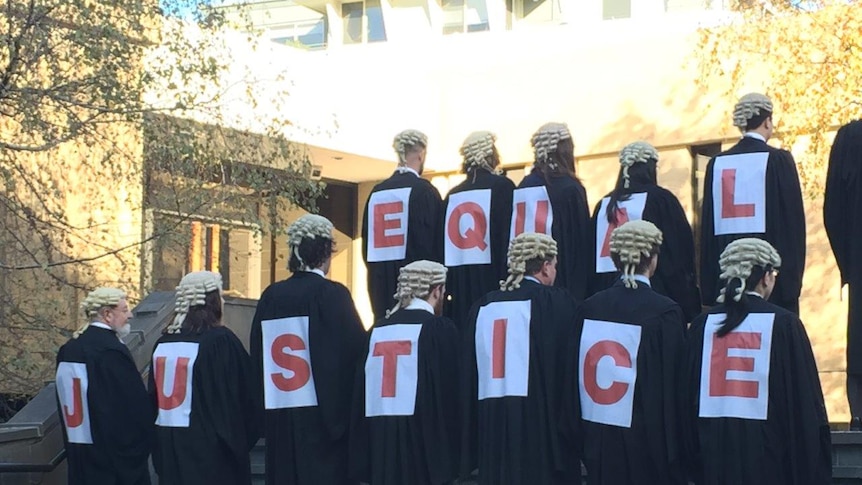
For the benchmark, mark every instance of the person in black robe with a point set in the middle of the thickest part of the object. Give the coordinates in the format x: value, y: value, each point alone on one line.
x: 394, y: 235
x: 306, y: 339
x: 208, y: 419
x: 759, y: 196
x: 843, y: 203
x: 476, y: 256
x: 554, y: 170
x: 405, y: 427
x: 631, y: 432
x: 514, y: 373
x: 106, y: 414
x: 753, y: 406
x: 637, y: 195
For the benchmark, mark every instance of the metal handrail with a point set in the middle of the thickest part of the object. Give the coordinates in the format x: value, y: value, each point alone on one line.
x: 34, y: 467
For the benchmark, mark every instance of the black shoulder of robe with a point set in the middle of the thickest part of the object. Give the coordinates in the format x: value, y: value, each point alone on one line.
x: 223, y: 425
x: 519, y: 440
x: 311, y: 442
x: 650, y: 451
x: 785, y: 226
x: 675, y: 275
x: 424, y: 237
x: 421, y: 449
x: 792, y: 446
x: 572, y: 231
x: 843, y: 202
x: 117, y: 401
x: 467, y: 283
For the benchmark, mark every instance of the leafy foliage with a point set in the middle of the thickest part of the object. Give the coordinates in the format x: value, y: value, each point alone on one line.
x: 110, y: 109
x: 806, y: 55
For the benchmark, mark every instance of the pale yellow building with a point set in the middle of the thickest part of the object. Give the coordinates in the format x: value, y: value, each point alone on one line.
x: 614, y: 70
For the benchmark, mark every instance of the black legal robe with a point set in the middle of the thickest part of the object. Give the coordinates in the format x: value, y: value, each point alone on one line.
x: 675, y: 275
x: 518, y: 440
x: 467, y: 283
x: 223, y: 425
x: 120, y: 412
x: 792, y: 446
x: 650, y: 450
x: 571, y: 229
x: 842, y: 207
x: 421, y: 449
x: 309, y: 445
x: 424, y: 237
x: 785, y: 226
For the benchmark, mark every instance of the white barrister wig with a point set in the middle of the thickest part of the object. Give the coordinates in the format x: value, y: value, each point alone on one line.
x: 192, y: 291
x: 526, y: 247
x: 545, y: 142
x: 636, y: 152
x: 416, y: 280
x: 95, y: 301
x: 478, y: 150
x: 748, y: 107
x: 309, y: 226
x: 631, y: 242
x: 406, y: 140
x: 740, y: 257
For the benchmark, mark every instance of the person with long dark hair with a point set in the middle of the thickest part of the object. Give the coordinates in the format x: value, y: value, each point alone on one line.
x: 476, y: 229
x: 637, y: 196
x: 306, y: 340
x: 551, y: 200
x: 752, y: 190
x: 754, y: 410
x: 842, y: 203
x: 201, y: 380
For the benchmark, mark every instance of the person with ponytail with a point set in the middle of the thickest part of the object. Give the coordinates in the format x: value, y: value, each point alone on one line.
x: 637, y: 196
x: 201, y: 382
x: 752, y: 402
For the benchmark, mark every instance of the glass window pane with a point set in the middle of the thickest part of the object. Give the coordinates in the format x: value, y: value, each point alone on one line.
x: 351, y: 13
x: 476, y: 15
x: 616, y: 9
x: 376, y: 27
x: 536, y: 10
x: 453, y: 16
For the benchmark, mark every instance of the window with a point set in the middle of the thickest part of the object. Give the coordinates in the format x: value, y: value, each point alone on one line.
x: 363, y: 22
x: 535, y: 11
x: 197, y: 245
x: 616, y: 9
x: 310, y: 33
x: 461, y: 16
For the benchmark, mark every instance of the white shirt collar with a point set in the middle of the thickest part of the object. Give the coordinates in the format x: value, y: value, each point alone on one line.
x: 532, y: 278
x: 316, y: 270
x: 754, y: 293
x: 404, y: 169
x: 101, y: 325
x: 419, y: 304
x: 755, y: 135
x: 643, y: 279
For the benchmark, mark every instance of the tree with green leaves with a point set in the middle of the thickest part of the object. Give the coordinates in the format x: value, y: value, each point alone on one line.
x: 110, y: 110
x: 806, y: 55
